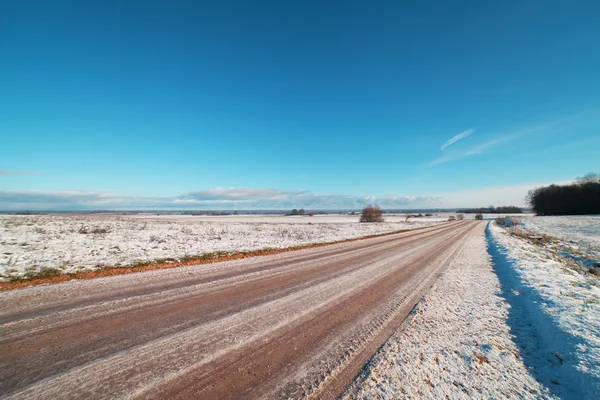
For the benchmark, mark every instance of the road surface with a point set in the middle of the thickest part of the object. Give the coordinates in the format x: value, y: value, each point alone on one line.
x: 298, y: 324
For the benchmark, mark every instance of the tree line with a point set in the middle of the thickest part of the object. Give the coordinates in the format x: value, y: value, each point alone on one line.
x: 581, y: 197
x: 493, y: 210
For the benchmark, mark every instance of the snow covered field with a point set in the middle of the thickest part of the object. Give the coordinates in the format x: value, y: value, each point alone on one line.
x: 287, y: 219
x: 584, y: 230
x: 456, y: 344
x: 30, y: 244
x: 555, y: 304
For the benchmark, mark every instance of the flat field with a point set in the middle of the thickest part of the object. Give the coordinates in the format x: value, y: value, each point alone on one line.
x: 30, y: 245
x: 582, y: 229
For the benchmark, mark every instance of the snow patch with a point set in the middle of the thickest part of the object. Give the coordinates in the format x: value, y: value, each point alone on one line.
x: 30, y: 245
x: 583, y: 230
x: 554, y: 315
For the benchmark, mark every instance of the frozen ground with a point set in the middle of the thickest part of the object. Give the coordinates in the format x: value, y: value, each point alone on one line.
x: 287, y: 219
x: 582, y: 230
x: 555, y: 305
x: 456, y: 344
x: 30, y: 244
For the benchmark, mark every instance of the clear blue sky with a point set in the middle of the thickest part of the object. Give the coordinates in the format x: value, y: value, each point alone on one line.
x: 245, y: 104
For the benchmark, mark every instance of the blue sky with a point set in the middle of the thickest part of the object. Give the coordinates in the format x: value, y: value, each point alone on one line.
x: 318, y: 104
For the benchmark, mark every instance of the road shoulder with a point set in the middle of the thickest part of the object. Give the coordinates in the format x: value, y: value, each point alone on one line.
x: 455, y: 343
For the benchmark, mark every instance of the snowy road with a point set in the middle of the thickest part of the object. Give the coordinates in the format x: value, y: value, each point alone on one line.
x: 298, y: 324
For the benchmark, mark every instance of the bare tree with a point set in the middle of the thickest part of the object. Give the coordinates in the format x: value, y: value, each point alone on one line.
x: 588, y: 178
x: 371, y: 214
x: 460, y: 217
x: 301, y: 211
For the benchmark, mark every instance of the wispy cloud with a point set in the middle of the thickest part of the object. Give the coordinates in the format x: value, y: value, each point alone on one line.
x: 485, y: 146
x: 241, y: 194
x: 458, y: 137
x: 9, y: 172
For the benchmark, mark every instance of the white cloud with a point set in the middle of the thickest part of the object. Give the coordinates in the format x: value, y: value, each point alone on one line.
x: 458, y: 137
x: 242, y: 194
x: 483, y: 147
x: 210, y: 199
x: 260, y: 199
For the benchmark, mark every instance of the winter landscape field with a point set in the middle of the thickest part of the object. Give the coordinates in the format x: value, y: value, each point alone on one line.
x: 515, y: 313
x: 70, y: 243
x: 307, y: 200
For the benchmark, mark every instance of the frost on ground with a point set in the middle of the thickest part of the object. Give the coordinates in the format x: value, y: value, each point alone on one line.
x: 456, y: 344
x: 555, y: 311
x: 580, y: 230
x: 30, y: 245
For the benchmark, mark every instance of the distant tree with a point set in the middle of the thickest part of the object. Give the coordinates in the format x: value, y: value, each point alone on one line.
x: 294, y: 212
x: 460, y: 217
x: 301, y: 211
x: 452, y: 218
x: 479, y: 217
x: 371, y: 214
x: 236, y: 212
x: 492, y: 209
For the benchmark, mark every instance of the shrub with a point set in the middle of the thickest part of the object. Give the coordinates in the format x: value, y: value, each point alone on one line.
x: 511, y: 221
x: 460, y: 217
x: 371, y: 214
x: 500, y: 221
x: 479, y: 217
x: 452, y: 218
x: 96, y: 230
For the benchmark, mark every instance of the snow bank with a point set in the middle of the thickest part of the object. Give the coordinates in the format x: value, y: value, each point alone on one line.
x: 555, y: 313
x: 456, y: 343
x: 30, y: 244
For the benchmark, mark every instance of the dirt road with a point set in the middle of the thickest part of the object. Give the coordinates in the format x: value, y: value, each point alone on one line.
x: 297, y: 324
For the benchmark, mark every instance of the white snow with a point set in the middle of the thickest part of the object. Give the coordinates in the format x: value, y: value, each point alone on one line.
x: 70, y: 243
x: 456, y: 344
x: 556, y: 305
x: 584, y: 230
x: 288, y: 219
